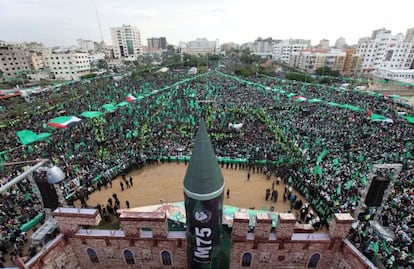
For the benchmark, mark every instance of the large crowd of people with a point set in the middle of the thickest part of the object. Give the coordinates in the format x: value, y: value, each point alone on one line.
x: 321, y: 139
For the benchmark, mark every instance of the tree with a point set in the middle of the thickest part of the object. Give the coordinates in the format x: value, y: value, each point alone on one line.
x: 244, y: 71
x: 102, y: 64
x: 170, y: 49
x: 299, y: 77
x: 326, y: 71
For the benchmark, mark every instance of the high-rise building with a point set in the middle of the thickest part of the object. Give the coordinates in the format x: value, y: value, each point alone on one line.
x: 13, y: 60
x: 386, y: 51
x: 283, y: 50
x: 409, y: 36
x: 264, y: 45
x: 126, y: 41
x: 157, y: 43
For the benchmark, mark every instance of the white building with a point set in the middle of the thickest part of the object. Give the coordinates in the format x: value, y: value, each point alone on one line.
x: 283, y: 50
x: 67, y: 66
x: 386, y: 51
x: 13, y: 60
x: 264, y: 47
x: 308, y: 60
x: 37, y: 60
x: 396, y: 75
x: 126, y: 41
x: 86, y: 45
x: 96, y: 57
x: 200, y: 46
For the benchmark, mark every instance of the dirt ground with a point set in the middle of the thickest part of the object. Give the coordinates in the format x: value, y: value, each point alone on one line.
x: 164, y: 182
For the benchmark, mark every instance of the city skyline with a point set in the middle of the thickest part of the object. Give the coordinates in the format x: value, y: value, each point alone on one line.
x: 62, y: 22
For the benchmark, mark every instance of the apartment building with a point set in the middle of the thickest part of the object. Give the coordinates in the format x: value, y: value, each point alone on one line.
x: 282, y: 51
x: 126, y: 40
x: 67, y: 66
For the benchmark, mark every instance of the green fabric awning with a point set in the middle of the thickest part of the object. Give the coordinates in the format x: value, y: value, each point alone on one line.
x: 333, y: 104
x: 315, y: 100
x: 124, y: 103
x: 377, y: 117
x: 409, y: 119
x: 27, y: 137
x: 351, y: 107
x: 109, y: 107
x: 91, y: 114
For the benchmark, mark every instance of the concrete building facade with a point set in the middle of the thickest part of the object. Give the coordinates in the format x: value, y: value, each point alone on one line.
x: 86, y: 45
x: 157, y: 43
x: 126, y: 41
x: 14, y: 60
x: 200, y: 46
x: 386, y: 51
x: 67, y: 66
x: 282, y: 51
x: 308, y: 60
x: 229, y: 46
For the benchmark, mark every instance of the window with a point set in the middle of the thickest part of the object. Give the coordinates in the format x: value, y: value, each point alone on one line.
x: 129, y: 256
x: 166, y: 257
x: 92, y: 255
x: 246, y: 260
x: 314, y: 260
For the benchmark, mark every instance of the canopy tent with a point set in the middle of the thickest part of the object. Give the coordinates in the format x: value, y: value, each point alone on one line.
x: 26, y: 136
x: 62, y: 122
x: 91, y: 114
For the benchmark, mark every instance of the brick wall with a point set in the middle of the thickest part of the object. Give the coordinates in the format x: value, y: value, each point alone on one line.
x: 282, y: 249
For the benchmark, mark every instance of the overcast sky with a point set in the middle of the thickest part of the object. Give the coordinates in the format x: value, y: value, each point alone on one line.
x: 61, y: 22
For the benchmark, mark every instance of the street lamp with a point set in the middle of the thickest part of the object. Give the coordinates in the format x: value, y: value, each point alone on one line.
x: 54, y: 175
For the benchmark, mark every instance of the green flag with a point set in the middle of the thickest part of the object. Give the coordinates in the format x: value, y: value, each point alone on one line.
x: 349, y: 184
x: 364, y: 181
x: 374, y: 246
x: 321, y: 156
x: 317, y: 170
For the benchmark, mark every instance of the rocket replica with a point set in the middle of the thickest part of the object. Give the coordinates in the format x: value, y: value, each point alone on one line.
x: 203, y: 193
